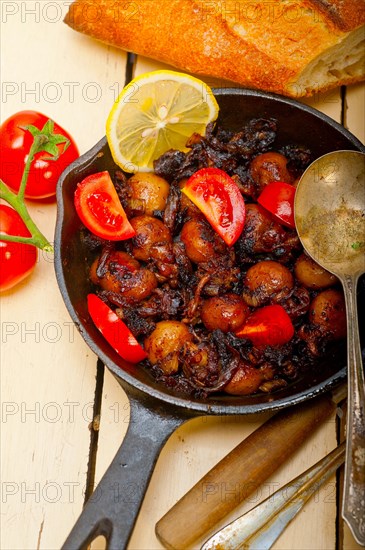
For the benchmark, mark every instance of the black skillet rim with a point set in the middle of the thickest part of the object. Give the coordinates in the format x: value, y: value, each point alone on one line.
x: 132, y: 383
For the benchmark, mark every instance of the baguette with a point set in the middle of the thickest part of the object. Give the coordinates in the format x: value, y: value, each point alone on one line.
x: 290, y: 47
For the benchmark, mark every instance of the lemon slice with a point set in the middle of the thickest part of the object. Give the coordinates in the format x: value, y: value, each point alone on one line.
x: 155, y: 112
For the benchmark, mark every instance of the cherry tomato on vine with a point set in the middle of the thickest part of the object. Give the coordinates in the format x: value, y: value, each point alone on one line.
x: 114, y: 330
x: 15, y: 144
x: 278, y: 198
x: 217, y: 195
x: 268, y: 326
x: 99, y: 208
x: 17, y: 260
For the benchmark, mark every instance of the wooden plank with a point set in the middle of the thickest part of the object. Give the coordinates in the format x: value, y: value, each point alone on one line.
x: 329, y: 103
x: 113, y: 425
x: 47, y: 388
x: 355, y: 111
x: 348, y: 542
x: 114, y: 422
x: 48, y: 372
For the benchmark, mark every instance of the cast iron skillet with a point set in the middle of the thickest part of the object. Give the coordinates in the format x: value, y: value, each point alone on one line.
x: 155, y: 411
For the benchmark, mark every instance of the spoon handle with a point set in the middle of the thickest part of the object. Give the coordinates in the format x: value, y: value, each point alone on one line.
x: 259, y: 528
x: 354, y: 480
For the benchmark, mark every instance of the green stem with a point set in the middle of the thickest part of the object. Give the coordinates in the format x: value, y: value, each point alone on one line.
x: 35, y: 148
x: 16, y: 201
x: 43, y: 140
x: 17, y: 239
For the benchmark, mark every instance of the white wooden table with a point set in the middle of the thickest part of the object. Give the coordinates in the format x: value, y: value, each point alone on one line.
x: 48, y: 374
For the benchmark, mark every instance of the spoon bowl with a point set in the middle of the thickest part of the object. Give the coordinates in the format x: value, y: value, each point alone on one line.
x: 330, y: 219
x: 329, y: 212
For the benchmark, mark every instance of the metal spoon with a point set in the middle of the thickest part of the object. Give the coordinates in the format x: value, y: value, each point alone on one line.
x: 259, y: 528
x: 330, y: 220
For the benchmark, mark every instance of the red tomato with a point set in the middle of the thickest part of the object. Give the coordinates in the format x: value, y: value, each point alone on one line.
x: 15, y: 145
x: 216, y: 194
x: 114, y: 330
x: 17, y: 260
x: 268, y: 326
x: 278, y: 198
x: 98, y: 206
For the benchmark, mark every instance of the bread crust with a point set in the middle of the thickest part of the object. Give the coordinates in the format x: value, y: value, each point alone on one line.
x: 266, y: 45
x: 345, y: 15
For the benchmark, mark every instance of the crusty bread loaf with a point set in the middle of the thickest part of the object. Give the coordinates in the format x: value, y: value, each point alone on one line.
x: 291, y: 47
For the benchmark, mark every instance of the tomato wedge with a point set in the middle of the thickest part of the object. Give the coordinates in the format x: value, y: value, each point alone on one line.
x: 114, y: 330
x: 278, y: 198
x: 268, y: 326
x: 99, y: 208
x: 217, y: 195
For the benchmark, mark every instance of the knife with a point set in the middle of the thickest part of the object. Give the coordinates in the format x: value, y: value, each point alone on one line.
x: 249, y: 464
x: 259, y: 528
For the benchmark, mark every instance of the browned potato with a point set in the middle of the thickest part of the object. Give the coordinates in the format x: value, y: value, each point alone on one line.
x: 269, y: 167
x: 125, y: 276
x: 150, y: 189
x: 328, y: 310
x: 227, y: 312
x: 150, y: 232
x: 201, y: 242
x: 266, y: 280
x: 164, y: 343
x: 312, y: 275
x: 245, y: 381
x: 260, y: 232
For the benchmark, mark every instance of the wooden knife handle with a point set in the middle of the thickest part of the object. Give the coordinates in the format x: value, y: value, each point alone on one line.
x: 240, y: 473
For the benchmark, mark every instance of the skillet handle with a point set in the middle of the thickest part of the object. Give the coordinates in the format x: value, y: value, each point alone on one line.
x: 113, y: 507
